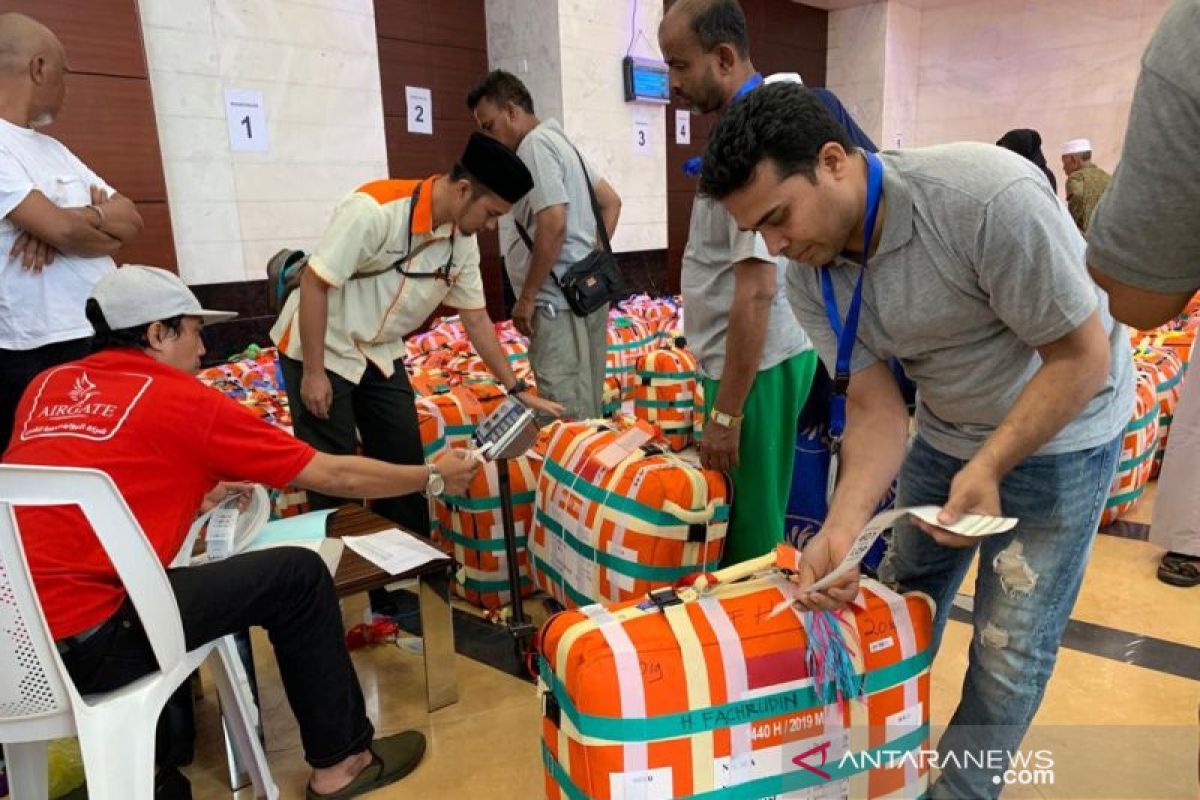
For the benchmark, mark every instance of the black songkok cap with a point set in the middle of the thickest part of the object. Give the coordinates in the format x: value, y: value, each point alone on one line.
x: 497, y: 168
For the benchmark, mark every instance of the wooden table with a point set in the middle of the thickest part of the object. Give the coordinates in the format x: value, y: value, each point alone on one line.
x: 356, y: 574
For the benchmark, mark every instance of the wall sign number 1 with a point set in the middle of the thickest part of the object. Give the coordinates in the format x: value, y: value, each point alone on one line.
x: 247, y: 121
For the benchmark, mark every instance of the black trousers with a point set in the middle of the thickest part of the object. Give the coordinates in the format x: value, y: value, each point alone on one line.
x: 19, y: 367
x: 289, y: 592
x: 382, y: 412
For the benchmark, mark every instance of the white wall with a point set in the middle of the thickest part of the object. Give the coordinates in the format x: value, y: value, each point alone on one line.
x: 1065, y: 68
x: 932, y: 72
x: 855, y: 61
x: 568, y: 52
x: 317, y: 66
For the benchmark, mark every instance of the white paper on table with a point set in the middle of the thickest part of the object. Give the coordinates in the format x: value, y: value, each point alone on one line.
x: 393, y: 550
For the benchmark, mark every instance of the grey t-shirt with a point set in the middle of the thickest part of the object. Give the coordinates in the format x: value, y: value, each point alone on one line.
x: 557, y: 179
x: 1146, y: 230
x: 714, y: 245
x: 977, y: 265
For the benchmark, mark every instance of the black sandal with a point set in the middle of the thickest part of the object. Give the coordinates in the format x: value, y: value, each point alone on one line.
x: 392, y: 757
x: 1178, y: 569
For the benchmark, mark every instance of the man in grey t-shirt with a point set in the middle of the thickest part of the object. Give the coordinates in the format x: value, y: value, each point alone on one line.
x: 975, y: 281
x: 756, y: 362
x: 566, y: 352
x: 1144, y: 249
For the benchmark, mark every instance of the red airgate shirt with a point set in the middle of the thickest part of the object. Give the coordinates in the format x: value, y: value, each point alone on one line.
x: 162, y: 436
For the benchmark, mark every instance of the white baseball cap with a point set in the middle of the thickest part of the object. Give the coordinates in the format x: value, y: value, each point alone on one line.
x: 136, y: 295
x: 1077, y: 146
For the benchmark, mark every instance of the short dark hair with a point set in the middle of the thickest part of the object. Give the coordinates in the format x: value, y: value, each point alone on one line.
x: 459, y: 173
x: 783, y: 122
x: 718, y: 22
x: 501, y: 87
x: 136, y: 336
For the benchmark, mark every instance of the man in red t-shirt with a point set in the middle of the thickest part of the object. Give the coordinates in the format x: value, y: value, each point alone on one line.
x: 135, y: 411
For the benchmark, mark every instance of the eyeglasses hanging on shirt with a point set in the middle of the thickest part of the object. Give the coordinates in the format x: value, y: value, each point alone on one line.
x: 442, y: 273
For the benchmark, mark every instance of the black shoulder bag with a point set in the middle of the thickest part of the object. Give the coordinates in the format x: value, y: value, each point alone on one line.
x: 595, y: 280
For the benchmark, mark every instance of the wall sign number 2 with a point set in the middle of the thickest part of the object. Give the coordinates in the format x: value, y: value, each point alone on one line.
x: 247, y: 121
x: 420, y: 109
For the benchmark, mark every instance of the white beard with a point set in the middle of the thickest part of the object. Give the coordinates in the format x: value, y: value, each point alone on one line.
x: 42, y: 120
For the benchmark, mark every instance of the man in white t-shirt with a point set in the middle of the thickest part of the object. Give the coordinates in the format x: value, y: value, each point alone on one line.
x: 60, y: 223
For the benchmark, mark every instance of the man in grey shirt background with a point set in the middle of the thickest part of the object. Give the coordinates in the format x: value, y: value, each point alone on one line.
x: 566, y: 352
x: 975, y: 281
x: 1144, y: 249
x: 755, y: 360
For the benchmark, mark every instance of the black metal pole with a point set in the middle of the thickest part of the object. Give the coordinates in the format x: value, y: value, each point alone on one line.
x: 517, y: 623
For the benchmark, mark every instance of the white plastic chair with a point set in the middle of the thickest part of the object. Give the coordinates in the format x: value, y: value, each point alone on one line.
x: 38, y: 699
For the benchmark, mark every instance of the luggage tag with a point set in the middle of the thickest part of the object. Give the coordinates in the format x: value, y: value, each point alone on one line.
x: 222, y: 528
x: 624, y: 445
x: 975, y: 525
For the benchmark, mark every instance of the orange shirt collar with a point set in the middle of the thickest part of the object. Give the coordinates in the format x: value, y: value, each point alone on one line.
x: 422, y: 221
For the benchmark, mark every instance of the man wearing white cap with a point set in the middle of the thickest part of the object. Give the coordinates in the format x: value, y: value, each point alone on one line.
x: 134, y: 411
x: 1085, y: 181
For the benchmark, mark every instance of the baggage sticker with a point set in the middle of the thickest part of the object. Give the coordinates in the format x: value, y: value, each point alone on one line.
x: 645, y: 784
x: 620, y: 579
x: 881, y: 644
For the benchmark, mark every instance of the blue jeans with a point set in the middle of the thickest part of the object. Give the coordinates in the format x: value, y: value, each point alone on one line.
x: 1027, y: 584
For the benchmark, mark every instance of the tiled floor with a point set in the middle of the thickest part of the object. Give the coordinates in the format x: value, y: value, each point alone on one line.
x: 1117, y: 729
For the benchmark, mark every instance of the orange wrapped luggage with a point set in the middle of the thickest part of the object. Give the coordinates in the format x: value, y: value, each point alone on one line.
x: 1137, y: 453
x: 628, y: 339
x: 612, y: 399
x: 614, y: 521
x: 462, y: 407
x: 1166, y: 370
x: 707, y: 693
x: 473, y: 524
x: 668, y: 393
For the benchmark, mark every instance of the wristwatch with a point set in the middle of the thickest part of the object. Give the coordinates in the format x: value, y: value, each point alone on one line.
x: 725, y: 420
x: 435, y: 484
x: 518, y: 387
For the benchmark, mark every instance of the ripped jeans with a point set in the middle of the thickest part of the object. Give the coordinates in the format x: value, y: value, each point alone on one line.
x: 1028, y: 581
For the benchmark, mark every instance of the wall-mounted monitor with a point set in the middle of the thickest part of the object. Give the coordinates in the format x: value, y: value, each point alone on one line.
x: 646, y: 80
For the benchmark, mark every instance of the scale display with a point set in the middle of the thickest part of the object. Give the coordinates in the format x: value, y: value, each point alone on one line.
x: 507, y: 432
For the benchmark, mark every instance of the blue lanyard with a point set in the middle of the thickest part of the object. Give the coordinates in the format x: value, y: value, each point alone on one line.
x: 693, y: 165
x: 847, y: 333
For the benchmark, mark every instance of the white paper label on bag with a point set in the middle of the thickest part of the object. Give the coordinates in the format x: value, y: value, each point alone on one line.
x: 728, y: 771
x: 623, y: 581
x: 557, y: 553
x: 645, y: 784
x: 904, y: 721
x: 585, y: 575
x: 881, y: 644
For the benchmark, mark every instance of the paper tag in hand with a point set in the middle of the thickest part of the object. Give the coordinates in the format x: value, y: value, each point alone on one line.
x: 974, y: 525
x: 878, y: 524
x: 222, y: 527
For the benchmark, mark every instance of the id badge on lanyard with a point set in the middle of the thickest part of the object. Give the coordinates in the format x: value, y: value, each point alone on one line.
x: 846, y: 333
